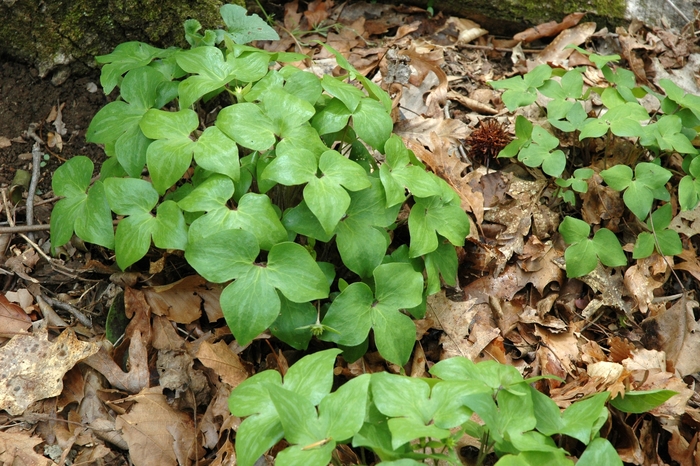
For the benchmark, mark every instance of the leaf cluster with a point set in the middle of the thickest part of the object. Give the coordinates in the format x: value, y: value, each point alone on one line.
x: 645, y: 186
x: 405, y: 420
x: 275, y: 197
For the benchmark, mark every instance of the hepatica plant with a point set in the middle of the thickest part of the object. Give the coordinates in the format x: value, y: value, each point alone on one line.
x: 281, y: 197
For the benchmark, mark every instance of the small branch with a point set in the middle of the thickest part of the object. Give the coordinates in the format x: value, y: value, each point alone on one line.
x: 80, y: 317
x: 24, y: 228
x: 36, y: 167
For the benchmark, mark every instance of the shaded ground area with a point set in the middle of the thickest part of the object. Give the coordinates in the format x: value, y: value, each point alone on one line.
x: 27, y: 99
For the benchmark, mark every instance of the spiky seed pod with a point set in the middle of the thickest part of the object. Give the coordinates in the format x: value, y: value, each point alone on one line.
x: 487, y: 141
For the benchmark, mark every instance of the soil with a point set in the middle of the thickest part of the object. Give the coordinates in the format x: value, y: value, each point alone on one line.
x: 27, y: 99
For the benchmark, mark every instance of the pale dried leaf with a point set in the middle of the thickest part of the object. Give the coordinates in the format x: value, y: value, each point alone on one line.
x: 675, y: 332
x: 549, y: 29
x: 643, y: 278
x: 137, y: 377
x: 183, y: 300
x: 223, y: 361
x: 34, y: 367
x: 17, y: 448
x: 13, y: 319
x: 557, y: 52
x: 154, y: 430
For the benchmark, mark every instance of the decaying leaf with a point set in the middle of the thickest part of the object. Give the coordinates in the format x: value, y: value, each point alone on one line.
x: 136, y: 378
x: 675, y: 332
x: 18, y: 448
x: 33, y: 367
x: 223, y: 361
x: 13, y: 319
x: 183, y: 301
x: 156, y: 434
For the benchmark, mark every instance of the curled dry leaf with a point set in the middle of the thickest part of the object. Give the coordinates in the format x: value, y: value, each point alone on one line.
x: 33, y: 367
x: 549, y: 29
x: 18, y: 448
x: 156, y: 434
x: 675, y: 332
x: 644, y: 277
x: 183, y: 300
x: 223, y: 361
x: 13, y: 319
x: 136, y: 378
x: 557, y: 52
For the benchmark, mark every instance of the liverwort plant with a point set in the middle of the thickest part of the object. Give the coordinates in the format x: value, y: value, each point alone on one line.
x: 281, y: 197
x: 406, y: 420
x: 643, y: 185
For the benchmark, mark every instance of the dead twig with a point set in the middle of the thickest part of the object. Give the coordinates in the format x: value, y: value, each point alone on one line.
x: 36, y: 167
x: 79, y: 316
x: 24, y: 228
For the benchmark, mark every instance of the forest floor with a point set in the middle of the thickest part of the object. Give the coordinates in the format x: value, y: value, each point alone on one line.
x: 515, y: 305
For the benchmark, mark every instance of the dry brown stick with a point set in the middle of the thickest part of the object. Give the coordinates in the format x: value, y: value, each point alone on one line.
x: 82, y: 318
x: 36, y: 166
x: 24, y: 228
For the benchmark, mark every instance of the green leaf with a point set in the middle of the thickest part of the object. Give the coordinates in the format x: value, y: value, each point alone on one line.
x: 430, y: 216
x: 340, y: 422
x: 599, y: 451
x: 644, y: 246
x: 133, y: 238
x: 618, y: 177
x: 333, y: 117
x: 169, y: 230
x: 130, y: 196
x: 291, y: 166
x: 350, y: 315
x: 73, y: 177
x: 294, y: 272
x: 262, y: 429
x: 581, y: 420
x: 669, y: 242
x: 168, y: 160
x: 159, y: 124
x: 344, y: 92
x: 306, y: 86
x: 343, y: 171
x: 394, y: 334
x: 250, y: 304
x: 94, y: 224
x: 574, y: 230
x: 593, y: 128
x: 297, y: 415
x: 312, y: 376
x: 286, y: 110
x: 217, y: 153
x: 290, y: 324
x: 125, y: 57
x: 641, y: 401
x: 224, y: 255
x: 398, y: 396
x: 248, y: 125
x: 580, y: 259
x: 608, y: 248
x: 327, y: 200
x: 245, y: 28
x: 372, y: 123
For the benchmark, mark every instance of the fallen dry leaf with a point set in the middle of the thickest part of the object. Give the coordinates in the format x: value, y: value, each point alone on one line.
x: 132, y: 381
x: 13, y: 319
x: 183, y: 300
x: 17, y: 448
x: 33, y: 367
x: 675, y: 332
x: 548, y: 29
x: 223, y: 361
x: 156, y: 434
x: 557, y: 52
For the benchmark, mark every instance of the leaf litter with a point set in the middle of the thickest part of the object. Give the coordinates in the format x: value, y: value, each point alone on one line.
x: 158, y: 394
